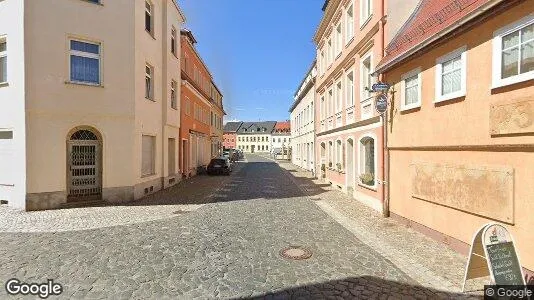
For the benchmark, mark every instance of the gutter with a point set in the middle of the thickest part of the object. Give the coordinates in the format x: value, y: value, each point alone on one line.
x: 435, y: 37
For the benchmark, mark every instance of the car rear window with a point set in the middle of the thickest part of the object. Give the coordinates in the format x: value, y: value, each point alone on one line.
x: 218, y: 161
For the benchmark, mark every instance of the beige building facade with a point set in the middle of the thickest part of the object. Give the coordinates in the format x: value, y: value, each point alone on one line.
x: 101, y: 115
x: 462, y: 121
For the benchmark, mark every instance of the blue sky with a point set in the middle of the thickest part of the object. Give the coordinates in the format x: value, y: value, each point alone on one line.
x: 258, y: 51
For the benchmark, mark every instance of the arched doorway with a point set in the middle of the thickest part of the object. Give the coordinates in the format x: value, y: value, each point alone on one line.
x: 350, y: 166
x: 84, y: 164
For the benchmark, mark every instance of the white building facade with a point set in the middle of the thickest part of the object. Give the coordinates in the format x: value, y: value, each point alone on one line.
x: 303, y: 123
x: 255, y: 136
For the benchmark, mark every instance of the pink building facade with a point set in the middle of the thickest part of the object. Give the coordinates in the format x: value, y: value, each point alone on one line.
x: 349, y: 139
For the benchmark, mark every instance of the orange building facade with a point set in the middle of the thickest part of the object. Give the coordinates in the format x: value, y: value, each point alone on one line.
x: 461, y: 120
x: 201, y: 110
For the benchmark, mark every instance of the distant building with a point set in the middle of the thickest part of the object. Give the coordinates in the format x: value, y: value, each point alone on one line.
x: 281, y: 135
x: 303, y: 122
x: 230, y: 134
x: 255, y: 136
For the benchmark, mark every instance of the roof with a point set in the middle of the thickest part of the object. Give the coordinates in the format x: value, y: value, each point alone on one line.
x: 232, y: 126
x: 179, y: 10
x: 428, y: 22
x: 282, y: 127
x: 256, y: 127
x: 306, y: 83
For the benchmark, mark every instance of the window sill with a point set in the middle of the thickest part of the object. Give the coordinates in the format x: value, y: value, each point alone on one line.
x: 362, y: 25
x: 150, y: 34
x: 85, y: 83
x: 499, y: 83
x: 3, y: 84
x: 150, y: 99
x: 369, y: 187
x: 349, y: 42
x: 410, y: 107
x: 449, y: 97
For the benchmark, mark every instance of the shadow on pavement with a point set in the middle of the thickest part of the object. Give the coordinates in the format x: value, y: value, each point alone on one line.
x: 364, y: 287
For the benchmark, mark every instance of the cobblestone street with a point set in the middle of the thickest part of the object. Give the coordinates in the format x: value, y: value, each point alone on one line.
x: 221, y: 237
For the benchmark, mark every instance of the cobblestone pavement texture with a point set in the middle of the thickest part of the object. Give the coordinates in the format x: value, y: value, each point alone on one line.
x: 228, y: 248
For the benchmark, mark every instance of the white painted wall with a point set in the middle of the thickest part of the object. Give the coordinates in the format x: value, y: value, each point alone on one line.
x: 12, y: 107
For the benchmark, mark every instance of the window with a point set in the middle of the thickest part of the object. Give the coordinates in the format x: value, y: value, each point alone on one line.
x: 330, y: 52
x: 339, y: 104
x: 84, y: 62
x: 339, y: 39
x: 367, y: 167
x: 148, y: 164
x: 330, y: 103
x: 323, y: 108
x: 366, y: 8
x: 339, y: 156
x: 321, y: 63
x: 149, y: 82
x: 349, y: 26
x: 367, y: 79
x: 187, y: 106
x: 6, y: 134
x: 149, y: 20
x: 173, y: 41
x: 3, y: 60
x: 450, y: 75
x: 173, y: 95
x: 411, y: 89
x: 330, y: 153
x: 513, y: 53
x: 350, y: 89
x: 171, y: 156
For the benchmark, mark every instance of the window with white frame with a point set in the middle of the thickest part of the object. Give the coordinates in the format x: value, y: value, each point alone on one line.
x: 367, y: 160
x: 339, y: 104
x: 411, y: 89
x: 173, y: 41
x: 366, y: 8
x: 149, y: 19
x: 149, y: 82
x: 84, y: 62
x: 323, y: 108
x: 330, y: 52
x: 148, y: 156
x: 366, y: 79
x: 513, y: 53
x: 339, y: 39
x: 451, y: 75
x: 349, y: 24
x: 350, y: 89
x: 330, y: 104
x: 3, y: 60
x: 173, y: 95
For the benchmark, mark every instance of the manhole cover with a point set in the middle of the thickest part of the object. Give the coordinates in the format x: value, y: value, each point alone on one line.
x: 295, y: 253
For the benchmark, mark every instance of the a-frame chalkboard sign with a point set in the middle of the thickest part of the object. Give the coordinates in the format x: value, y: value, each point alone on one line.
x: 493, y: 253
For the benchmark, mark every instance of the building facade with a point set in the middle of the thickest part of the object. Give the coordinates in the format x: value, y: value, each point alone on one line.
x: 462, y: 120
x: 302, y: 114
x: 230, y: 134
x: 349, y: 131
x: 255, y: 136
x: 201, y: 107
x: 281, y: 136
x: 216, y: 121
x: 88, y: 112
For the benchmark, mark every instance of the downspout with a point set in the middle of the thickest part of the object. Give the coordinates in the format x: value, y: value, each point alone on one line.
x: 385, y: 151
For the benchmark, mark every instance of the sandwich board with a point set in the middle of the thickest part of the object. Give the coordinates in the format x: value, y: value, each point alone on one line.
x: 493, y: 253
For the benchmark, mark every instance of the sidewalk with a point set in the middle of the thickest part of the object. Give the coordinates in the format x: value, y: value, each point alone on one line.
x: 427, y: 261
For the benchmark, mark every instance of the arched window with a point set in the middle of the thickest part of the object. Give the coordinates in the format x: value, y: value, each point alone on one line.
x: 84, y: 135
x: 367, y: 161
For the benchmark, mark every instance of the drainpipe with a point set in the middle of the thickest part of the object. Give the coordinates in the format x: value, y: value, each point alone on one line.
x: 385, y: 150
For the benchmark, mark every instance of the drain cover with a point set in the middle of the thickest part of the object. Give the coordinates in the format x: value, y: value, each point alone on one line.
x: 295, y: 253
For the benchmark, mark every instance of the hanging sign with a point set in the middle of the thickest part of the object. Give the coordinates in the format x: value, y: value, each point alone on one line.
x: 381, y: 103
x: 380, y: 87
x: 493, y: 253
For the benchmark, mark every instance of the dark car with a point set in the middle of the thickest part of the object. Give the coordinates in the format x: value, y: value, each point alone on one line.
x: 220, y: 165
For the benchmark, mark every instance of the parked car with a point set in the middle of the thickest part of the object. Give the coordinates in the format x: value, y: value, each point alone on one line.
x: 226, y: 153
x: 219, y: 165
